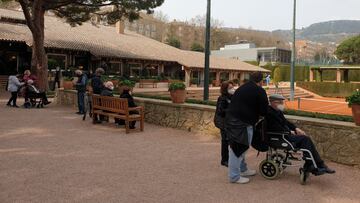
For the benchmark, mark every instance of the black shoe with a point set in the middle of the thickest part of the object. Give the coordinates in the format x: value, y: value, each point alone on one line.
x: 132, y: 127
x: 311, y: 169
x: 326, y: 169
x: 225, y: 163
x: 46, y: 103
x: 80, y: 113
x: 8, y: 105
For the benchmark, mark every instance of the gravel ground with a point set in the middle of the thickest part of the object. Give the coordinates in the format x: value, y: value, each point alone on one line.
x: 51, y: 155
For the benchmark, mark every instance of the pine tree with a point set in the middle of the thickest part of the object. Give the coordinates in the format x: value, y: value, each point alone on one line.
x: 75, y: 12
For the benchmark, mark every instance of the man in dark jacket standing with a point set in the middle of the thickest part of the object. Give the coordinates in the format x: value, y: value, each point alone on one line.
x: 247, y: 105
x: 96, y: 83
x: 81, y: 90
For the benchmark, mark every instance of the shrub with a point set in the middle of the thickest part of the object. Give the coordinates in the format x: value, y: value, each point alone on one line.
x: 330, y: 89
x: 277, y: 75
x: 354, y: 98
x: 127, y: 83
x: 177, y: 86
x: 68, y: 78
x: 194, y: 81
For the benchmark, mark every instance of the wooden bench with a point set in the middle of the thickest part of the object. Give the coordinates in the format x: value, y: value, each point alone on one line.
x: 142, y: 83
x: 116, y: 108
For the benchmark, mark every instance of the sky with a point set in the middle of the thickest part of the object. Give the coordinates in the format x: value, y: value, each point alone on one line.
x: 264, y: 14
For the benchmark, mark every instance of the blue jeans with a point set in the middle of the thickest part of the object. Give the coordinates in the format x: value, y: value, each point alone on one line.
x: 81, y: 101
x: 238, y: 164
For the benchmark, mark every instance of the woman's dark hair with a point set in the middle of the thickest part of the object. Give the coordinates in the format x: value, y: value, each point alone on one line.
x: 225, y: 86
x: 256, y: 77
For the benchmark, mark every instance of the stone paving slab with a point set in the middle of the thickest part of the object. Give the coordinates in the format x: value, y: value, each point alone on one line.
x: 51, y: 155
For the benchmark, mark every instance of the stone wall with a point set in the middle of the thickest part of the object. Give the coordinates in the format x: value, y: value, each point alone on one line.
x: 336, y: 141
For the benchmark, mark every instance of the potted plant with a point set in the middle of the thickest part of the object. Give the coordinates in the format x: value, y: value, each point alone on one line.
x: 68, y: 83
x: 126, y: 84
x: 354, y: 102
x: 178, y: 92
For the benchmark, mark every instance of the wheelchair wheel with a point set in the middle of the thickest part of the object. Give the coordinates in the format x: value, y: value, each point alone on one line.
x: 304, y: 176
x: 269, y: 169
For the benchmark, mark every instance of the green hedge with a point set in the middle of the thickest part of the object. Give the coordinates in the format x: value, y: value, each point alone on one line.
x: 287, y: 112
x: 302, y: 73
x: 330, y: 89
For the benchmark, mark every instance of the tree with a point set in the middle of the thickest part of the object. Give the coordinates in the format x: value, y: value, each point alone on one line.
x: 349, y: 50
x: 173, y: 41
x: 75, y: 12
x: 197, y: 47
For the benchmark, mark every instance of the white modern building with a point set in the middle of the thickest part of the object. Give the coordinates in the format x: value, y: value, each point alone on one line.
x: 249, y: 52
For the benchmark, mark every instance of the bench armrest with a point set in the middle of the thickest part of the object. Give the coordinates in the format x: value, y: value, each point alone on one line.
x: 136, y: 108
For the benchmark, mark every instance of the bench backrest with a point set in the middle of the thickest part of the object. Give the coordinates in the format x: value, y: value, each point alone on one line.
x: 112, y: 104
x: 147, y: 81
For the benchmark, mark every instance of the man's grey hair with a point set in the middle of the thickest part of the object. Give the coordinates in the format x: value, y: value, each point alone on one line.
x: 99, y: 71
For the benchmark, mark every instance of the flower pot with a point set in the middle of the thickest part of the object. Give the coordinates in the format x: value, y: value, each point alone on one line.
x: 68, y: 85
x: 178, y: 96
x: 356, y: 113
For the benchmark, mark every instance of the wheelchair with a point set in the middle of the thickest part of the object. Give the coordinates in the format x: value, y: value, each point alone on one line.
x: 280, y: 155
x: 33, y: 100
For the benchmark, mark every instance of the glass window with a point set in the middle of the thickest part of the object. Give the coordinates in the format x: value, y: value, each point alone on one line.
x: 55, y: 60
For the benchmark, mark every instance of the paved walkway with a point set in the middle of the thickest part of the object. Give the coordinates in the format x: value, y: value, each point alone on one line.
x: 51, y: 155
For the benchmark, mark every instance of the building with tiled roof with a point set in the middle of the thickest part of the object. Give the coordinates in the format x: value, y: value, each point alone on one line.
x: 120, y: 51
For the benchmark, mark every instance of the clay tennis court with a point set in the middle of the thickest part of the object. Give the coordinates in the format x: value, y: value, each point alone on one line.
x: 321, y: 105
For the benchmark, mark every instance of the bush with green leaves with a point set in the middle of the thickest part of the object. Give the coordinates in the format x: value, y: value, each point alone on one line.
x: 354, y: 98
x: 177, y: 86
x: 330, y: 89
x: 127, y: 83
x: 68, y: 78
x: 194, y: 81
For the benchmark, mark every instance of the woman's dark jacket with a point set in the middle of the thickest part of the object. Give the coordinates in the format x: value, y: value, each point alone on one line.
x: 221, y: 108
x: 131, y: 103
x: 97, y: 85
x: 247, y: 105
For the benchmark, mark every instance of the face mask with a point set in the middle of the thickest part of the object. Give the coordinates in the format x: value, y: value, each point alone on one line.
x: 281, y: 107
x: 231, y: 91
x: 111, y: 88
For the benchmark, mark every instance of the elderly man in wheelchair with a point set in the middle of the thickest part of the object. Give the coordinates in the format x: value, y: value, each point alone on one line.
x: 286, y: 142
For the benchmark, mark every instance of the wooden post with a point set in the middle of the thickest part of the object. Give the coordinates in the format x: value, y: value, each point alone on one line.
x: 187, y: 76
x: 311, y: 79
x: 338, y: 76
x: 218, y: 73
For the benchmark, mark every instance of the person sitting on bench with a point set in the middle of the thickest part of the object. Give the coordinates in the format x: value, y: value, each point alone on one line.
x: 276, y: 122
x: 126, y: 94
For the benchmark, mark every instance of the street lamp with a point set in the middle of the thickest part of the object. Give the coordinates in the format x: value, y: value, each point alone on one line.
x: 207, y: 52
x: 292, y: 72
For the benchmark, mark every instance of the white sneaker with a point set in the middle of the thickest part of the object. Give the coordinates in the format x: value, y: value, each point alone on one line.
x: 242, y: 180
x: 249, y: 172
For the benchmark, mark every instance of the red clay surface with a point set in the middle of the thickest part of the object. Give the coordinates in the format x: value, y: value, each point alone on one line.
x: 322, y: 105
x: 51, y: 155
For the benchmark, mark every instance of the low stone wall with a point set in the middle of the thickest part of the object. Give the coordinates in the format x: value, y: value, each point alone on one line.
x: 336, y: 141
